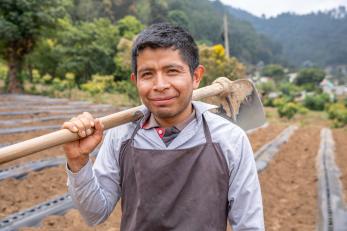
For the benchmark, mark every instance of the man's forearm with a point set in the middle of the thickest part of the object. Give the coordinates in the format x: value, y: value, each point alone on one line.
x: 90, y: 199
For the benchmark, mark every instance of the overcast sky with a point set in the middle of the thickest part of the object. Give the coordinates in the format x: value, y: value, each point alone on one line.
x: 274, y: 7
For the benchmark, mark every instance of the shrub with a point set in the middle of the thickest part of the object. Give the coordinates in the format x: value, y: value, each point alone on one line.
x: 316, y: 102
x: 47, y: 78
x: 99, y: 84
x: 287, y: 110
x: 3, y: 72
x: 338, y: 113
x: 126, y: 87
x: 36, y: 76
x: 59, y: 85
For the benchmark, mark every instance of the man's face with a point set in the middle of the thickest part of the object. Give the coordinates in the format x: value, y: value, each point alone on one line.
x: 164, y: 82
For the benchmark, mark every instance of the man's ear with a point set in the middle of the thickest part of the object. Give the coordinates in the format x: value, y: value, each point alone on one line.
x: 133, y: 78
x: 197, y: 77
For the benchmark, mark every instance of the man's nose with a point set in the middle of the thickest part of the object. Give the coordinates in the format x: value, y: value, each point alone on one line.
x: 161, y: 82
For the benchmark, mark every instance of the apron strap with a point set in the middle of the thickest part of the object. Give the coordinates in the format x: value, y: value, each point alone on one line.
x: 206, y: 131
x: 135, y: 130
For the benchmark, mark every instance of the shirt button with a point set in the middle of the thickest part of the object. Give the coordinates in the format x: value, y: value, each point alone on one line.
x: 160, y: 132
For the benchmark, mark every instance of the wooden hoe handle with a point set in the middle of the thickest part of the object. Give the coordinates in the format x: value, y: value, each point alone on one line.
x: 220, y: 87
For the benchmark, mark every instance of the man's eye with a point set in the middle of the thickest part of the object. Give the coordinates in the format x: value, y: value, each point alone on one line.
x: 173, y: 71
x: 146, y: 74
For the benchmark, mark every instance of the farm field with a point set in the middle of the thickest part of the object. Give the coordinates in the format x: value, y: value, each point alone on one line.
x: 289, y: 181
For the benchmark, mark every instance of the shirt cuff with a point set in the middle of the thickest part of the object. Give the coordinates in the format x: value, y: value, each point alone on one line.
x: 82, y: 177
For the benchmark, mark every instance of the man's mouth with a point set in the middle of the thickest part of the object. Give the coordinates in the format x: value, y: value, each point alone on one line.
x: 162, y: 101
x: 162, y: 98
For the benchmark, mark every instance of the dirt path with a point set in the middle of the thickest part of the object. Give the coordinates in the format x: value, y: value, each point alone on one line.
x: 265, y: 135
x: 289, y: 184
x: 340, y: 138
x: 36, y: 187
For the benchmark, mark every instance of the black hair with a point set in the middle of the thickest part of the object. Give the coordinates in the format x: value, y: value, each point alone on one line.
x: 165, y: 35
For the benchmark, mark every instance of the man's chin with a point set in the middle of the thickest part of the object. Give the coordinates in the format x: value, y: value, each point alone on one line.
x: 163, y: 113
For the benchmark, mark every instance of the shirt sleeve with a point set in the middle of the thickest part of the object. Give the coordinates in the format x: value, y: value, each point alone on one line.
x: 95, y: 189
x: 245, y: 201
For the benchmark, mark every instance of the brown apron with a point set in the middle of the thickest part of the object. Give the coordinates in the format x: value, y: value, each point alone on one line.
x: 182, y: 189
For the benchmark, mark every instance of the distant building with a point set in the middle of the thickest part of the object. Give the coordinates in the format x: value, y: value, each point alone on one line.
x: 327, y: 86
x: 330, y: 88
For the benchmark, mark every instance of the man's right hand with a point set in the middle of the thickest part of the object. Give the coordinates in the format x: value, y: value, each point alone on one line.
x: 77, y: 152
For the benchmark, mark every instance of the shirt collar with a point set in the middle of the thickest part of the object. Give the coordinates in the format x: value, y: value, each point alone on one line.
x: 152, y: 123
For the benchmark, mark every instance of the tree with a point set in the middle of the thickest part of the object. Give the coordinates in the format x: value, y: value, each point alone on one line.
x: 129, y: 26
x: 310, y: 78
x: 84, y: 49
x: 178, y: 17
x: 158, y: 11
x: 22, y: 23
x: 218, y: 65
x: 275, y: 71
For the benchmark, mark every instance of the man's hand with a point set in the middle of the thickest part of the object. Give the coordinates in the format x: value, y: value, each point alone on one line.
x: 77, y: 152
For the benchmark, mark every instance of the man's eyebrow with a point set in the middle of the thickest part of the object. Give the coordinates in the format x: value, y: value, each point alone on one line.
x: 174, y: 66
x: 145, y: 69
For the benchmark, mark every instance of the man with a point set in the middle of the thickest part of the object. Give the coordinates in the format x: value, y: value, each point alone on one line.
x: 180, y: 167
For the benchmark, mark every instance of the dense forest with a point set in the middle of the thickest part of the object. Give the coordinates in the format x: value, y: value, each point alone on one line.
x: 54, y: 39
x: 316, y: 37
x: 203, y: 18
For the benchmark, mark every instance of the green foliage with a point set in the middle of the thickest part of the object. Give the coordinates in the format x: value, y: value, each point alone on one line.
x: 126, y: 87
x: 99, y: 84
x: 36, y: 76
x: 84, y: 49
x: 274, y: 71
x: 310, y: 78
x: 129, y: 26
x: 289, y: 110
x: 22, y: 24
x: 204, y: 19
x: 338, y: 113
x: 266, y: 87
x: 64, y: 84
x: 21, y: 21
x: 47, y: 78
x: 290, y: 90
x: 123, y: 60
x: 178, y: 17
x: 158, y: 11
x: 3, y: 71
x: 217, y: 64
x: 316, y: 102
x: 317, y: 37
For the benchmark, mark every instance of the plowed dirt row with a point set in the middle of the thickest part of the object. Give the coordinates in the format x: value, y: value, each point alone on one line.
x: 265, y: 135
x: 50, y: 122
x: 340, y: 138
x: 289, y: 184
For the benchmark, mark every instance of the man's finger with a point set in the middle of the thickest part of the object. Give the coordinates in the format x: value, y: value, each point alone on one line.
x: 69, y: 125
x: 81, y: 129
x: 90, y: 117
x: 87, y: 123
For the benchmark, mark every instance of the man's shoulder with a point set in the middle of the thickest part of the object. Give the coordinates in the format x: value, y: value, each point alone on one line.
x: 222, y: 129
x: 122, y: 132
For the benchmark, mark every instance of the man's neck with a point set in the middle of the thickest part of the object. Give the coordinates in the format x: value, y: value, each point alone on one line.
x: 172, y: 121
